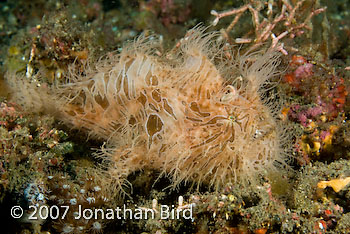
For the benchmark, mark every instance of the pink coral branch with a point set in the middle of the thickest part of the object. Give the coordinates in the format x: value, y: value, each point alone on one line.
x: 264, y: 27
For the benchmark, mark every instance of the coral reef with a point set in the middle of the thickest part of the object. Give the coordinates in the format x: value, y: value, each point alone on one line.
x: 319, y: 110
x: 327, y: 203
x: 35, y: 170
x: 28, y: 146
x: 49, y: 50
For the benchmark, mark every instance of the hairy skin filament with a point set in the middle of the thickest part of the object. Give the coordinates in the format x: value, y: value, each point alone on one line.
x: 193, y: 113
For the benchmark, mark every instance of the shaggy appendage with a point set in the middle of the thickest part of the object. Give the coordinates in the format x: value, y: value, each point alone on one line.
x: 176, y: 113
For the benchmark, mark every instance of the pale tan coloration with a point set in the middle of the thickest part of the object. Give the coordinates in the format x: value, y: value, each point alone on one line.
x: 194, y: 113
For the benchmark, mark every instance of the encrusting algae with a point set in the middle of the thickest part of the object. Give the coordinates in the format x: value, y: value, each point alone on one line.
x: 196, y: 113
